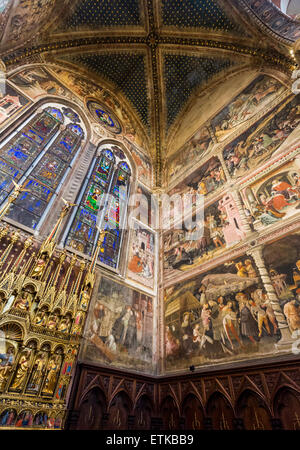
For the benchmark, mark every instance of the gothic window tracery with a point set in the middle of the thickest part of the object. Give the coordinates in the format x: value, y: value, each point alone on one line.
x: 110, y: 175
x: 39, y: 156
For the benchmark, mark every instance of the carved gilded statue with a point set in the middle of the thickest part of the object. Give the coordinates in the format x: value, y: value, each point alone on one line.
x: 64, y: 325
x: 39, y: 268
x: 7, y: 361
x: 37, y: 373
x: 78, y: 323
x: 52, y: 374
x: 22, y: 370
x: 41, y: 318
x: 23, y: 301
x: 85, y: 298
x: 52, y: 322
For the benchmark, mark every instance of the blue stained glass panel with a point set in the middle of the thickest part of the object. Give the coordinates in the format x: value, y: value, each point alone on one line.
x: 76, y: 129
x: 24, y: 217
x: 83, y: 233
x: 109, y: 250
x: 31, y: 203
x: 10, y: 170
x: 103, y: 171
x: 39, y: 189
x: 55, y: 113
x: 50, y: 170
x: 19, y: 154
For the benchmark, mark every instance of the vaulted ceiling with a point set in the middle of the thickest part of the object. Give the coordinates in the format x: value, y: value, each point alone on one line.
x: 156, y: 54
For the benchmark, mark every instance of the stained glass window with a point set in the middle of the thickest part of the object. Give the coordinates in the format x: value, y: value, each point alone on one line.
x: 38, y: 157
x: 111, y: 176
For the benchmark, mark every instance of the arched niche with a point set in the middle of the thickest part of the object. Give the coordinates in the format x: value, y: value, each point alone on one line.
x: 169, y: 414
x: 92, y: 409
x: 119, y: 410
x: 220, y: 411
x: 193, y: 413
x: 143, y: 413
x: 286, y: 407
x: 253, y: 411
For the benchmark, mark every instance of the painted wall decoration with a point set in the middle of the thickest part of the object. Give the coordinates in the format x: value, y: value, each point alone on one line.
x: 141, y: 260
x: 221, y: 229
x: 37, y: 82
x: 263, y: 139
x: 83, y: 88
x: 275, y: 19
x: 245, y: 105
x: 274, y: 197
x: 283, y: 263
x: 148, y: 207
x: 27, y: 18
x: 197, y: 146
x: 119, y: 328
x: 12, y: 103
x: 104, y: 116
x: 220, y: 316
x: 206, y: 179
x: 144, y: 167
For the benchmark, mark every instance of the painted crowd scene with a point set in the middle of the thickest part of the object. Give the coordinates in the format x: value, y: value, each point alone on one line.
x: 226, y: 315
x: 119, y: 329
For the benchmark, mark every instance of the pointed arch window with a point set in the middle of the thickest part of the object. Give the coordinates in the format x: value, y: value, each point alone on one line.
x: 38, y: 156
x: 109, y: 174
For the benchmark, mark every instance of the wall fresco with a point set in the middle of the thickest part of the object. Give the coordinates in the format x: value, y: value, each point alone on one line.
x: 274, y: 197
x: 141, y: 262
x: 220, y: 230
x: 206, y: 179
x: 37, y: 82
x: 264, y: 139
x: 119, y: 329
x: 283, y: 263
x: 11, y: 103
x: 244, y: 106
x: 197, y: 146
x: 223, y: 315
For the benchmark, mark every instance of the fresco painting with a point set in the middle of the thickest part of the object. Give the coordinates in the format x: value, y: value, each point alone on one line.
x: 274, y: 197
x: 223, y: 315
x: 11, y: 103
x: 264, y: 139
x: 206, y: 179
x: 83, y: 88
x: 37, y: 82
x: 148, y: 207
x: 197, y: 146
x: 119, y: 329
x: 141, y: 262
x: 245, y: 105
x: 275, y: 19
x: 220, y: 230
x: 143, y: 164
x: 283, y: 264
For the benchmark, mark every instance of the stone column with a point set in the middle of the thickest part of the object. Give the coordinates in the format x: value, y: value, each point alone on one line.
x: 224, y: 165
x: 286, y: 339
x: 239, y: 203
